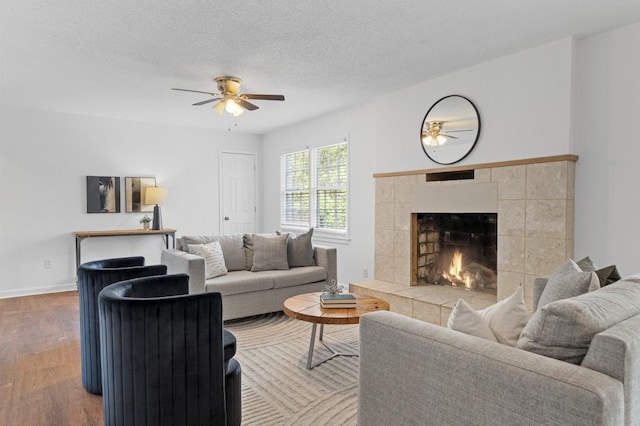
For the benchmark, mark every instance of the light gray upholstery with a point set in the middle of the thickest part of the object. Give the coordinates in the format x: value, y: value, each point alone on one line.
x: 248, y: 293
x: 565, y: 328
x: 416, y: 373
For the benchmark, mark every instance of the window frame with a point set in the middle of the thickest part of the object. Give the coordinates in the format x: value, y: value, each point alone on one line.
x: 322, y: 234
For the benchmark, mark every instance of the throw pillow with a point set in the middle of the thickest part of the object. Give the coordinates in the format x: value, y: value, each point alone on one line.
x: 467, y: 320
x: 248, y: 241
x: 269, y: 252
x: 607, y: 275
x: 501, y: 322
x: 564, y: 329
x: 507, y: 318
x: 213, y: 258
x: 300, y: 250
x: 232, y: 248
x: 568, y: 280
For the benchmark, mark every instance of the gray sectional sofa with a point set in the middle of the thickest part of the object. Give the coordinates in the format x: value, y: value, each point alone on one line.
x: 412, y: 372
x: 246, y: 292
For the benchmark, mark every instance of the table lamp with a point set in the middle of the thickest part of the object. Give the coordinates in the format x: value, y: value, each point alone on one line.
x: 156, y: 195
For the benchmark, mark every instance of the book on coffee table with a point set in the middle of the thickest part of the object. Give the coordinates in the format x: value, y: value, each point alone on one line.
x: 338, y: 298
x: 329, y: 305
x: 343, y: 301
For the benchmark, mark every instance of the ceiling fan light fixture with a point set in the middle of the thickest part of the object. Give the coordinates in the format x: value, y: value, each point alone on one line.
x: 231, y: 106
x: 219, y: 107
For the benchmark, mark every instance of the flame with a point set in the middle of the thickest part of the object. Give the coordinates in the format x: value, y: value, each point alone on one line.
x: 456, y: 264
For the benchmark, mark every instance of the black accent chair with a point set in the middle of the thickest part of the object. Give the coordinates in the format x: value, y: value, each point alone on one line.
x: 163, y: 353
x: 92, y: 278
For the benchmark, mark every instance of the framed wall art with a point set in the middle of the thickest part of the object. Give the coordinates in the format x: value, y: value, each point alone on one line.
x: 103, y: 194
x: 135, y: 188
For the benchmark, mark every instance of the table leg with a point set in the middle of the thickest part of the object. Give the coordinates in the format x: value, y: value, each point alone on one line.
x: 311, y: 344
x: 334, y: 353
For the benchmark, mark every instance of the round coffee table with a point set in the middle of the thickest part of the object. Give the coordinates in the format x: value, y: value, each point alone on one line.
x: 306, y: 307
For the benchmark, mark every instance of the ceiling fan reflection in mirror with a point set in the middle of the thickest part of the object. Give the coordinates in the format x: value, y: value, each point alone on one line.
x: 434, y: 134
x: 229, y: 99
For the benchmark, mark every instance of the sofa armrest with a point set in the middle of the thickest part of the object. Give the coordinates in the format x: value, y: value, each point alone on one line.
x: 413, y: 372
x: 327, y: 257
x: 181, y: 262
x: 615, y: 352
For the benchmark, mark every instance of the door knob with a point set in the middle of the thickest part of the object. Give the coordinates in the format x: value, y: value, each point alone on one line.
x: 226, y: 218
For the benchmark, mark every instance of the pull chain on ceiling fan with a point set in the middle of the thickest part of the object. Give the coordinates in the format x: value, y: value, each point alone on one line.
x: 229, y: 99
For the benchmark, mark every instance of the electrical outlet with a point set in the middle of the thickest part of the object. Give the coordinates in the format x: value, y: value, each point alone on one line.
x: 47, y: 264
x: 365, y: 272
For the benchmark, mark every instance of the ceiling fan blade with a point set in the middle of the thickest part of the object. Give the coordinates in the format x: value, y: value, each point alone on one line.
x: 465, y: 130
x: 197, y: 91
x: 205, y: 102
x: 219, y: 107
x: 448, y: 135
x: 263, y: 97
x: 245, y: 104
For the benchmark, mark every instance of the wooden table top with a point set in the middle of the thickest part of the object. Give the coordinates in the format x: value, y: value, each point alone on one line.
x: 123, y: 232
x: 306, y: 307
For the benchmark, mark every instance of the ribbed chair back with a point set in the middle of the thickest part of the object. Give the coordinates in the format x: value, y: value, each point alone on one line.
x: 162, y: 352
x: 92, y: 278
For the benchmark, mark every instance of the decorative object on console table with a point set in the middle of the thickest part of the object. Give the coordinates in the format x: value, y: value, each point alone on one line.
x: 145, y: 222
x: 156, y: 195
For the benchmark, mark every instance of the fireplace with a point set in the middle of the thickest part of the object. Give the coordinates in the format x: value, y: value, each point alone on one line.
x: 456, y: 249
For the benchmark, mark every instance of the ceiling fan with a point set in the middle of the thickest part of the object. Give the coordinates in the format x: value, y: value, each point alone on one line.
x: 433, y: 133
x: 229, y: 99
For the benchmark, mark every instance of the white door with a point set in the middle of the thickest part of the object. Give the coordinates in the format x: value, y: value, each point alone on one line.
x: 238, y: 209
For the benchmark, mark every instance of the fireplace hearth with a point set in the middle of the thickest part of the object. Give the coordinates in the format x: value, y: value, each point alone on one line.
x: 456, y: 249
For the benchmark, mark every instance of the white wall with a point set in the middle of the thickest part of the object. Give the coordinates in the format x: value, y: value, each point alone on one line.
x: 524, y: 102
x: 607, y: 139
x: 360, y: 126
x: 44, y: 160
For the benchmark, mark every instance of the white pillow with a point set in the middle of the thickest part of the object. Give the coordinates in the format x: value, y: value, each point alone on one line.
x: 505, y: 319
x: 213, y: 258
x: 465, y: 319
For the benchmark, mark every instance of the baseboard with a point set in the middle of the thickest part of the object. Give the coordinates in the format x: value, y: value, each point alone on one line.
x: 38, y: 290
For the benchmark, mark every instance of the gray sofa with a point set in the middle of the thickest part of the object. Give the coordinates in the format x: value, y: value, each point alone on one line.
x: 415, y: 373
x: 244, y: 292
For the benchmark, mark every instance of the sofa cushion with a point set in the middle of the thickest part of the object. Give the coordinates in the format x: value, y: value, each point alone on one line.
x: 564, y: 329
x: 213, y: 258
x: 237, y: 282
x: 297, y: 276
x: 249, y: 249
x: 568, y: 280
x: 505, y: 319
x: 467, y: 320
x: 300, y: 249
x: 269, y: 252
x: 232, y: 248
x: 607, y: 275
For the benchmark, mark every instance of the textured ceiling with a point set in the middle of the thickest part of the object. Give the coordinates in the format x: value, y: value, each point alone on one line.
x: 120, y: 58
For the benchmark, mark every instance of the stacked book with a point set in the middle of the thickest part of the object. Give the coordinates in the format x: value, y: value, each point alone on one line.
x: 346, y: 300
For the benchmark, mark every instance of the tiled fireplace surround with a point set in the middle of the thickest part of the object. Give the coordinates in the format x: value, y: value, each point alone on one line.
x: 534, y: 200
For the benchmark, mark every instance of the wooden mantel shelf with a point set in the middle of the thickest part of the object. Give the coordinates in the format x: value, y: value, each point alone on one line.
x: 566, y: 157
x: 82, y: 235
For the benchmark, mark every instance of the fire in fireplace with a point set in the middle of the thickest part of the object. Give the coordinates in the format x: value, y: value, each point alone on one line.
x: 457, y: 249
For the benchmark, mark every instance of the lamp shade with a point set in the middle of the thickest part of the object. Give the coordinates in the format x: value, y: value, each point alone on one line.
x: 155, y: 195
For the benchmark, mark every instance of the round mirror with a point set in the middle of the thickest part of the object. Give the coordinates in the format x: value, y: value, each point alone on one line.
x: 450, y: 129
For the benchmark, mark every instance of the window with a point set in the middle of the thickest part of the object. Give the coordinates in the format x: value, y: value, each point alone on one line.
x: 314, y: 189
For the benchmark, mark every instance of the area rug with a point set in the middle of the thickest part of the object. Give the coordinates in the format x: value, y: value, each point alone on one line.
x: 277, y: 388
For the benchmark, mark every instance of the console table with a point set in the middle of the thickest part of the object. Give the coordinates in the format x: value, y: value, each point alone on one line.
x: 82, y: 235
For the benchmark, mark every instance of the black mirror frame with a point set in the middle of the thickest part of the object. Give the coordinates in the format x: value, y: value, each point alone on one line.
x: 477, y: 133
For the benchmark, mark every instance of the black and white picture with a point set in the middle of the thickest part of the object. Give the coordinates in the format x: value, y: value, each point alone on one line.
x: 135, y: 188
x: 103, y: 194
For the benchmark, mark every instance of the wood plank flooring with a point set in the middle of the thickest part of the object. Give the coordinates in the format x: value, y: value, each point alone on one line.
x: 40, y: 363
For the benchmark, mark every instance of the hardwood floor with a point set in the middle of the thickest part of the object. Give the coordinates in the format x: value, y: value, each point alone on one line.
x: 40, y: 363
